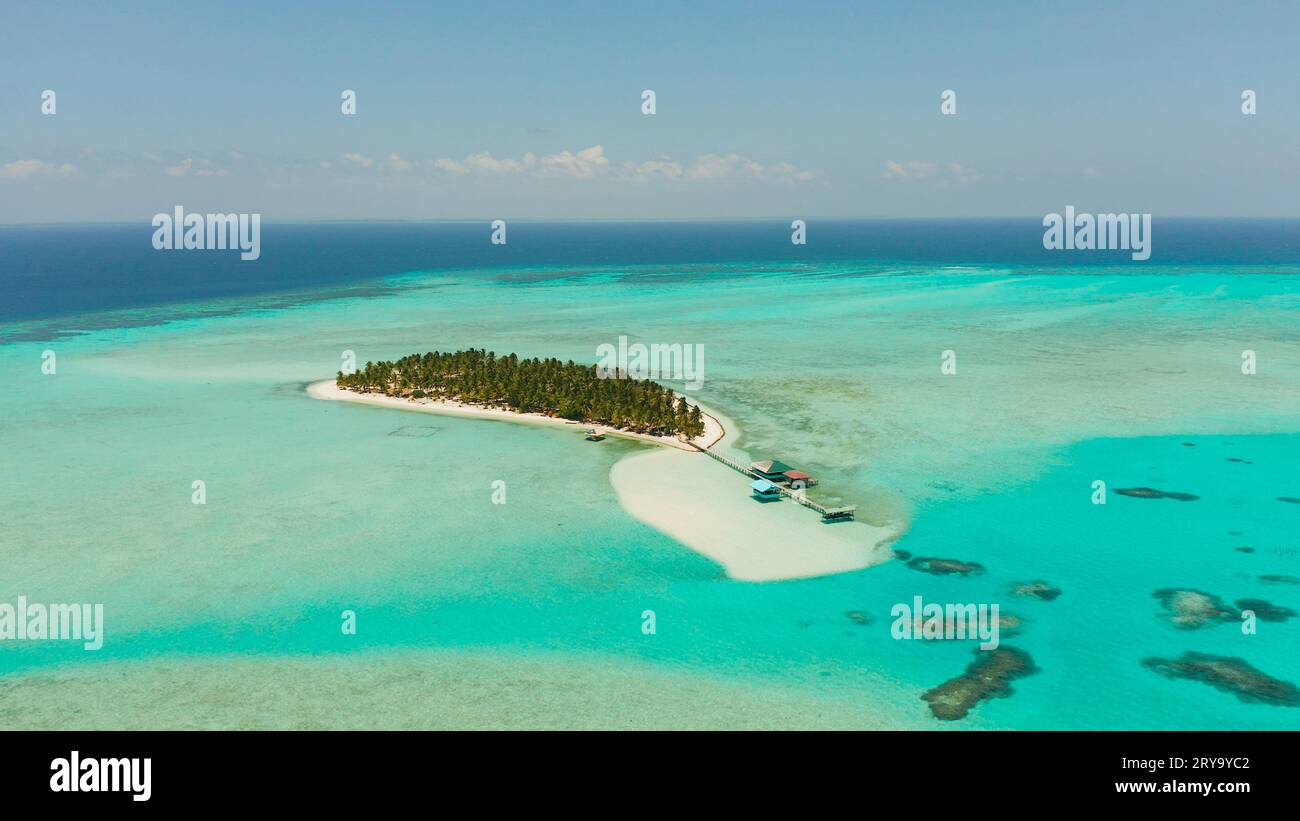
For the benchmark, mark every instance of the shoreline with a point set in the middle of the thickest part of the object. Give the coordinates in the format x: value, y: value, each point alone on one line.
x: 697, y: 503
x: 706, y: 507
x: 327, y: 389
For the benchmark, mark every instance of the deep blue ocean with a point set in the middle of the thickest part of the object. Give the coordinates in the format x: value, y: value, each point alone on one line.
x: 51, y: 270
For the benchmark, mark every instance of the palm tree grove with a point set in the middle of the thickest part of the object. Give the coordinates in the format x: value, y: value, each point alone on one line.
x: 546, y: 386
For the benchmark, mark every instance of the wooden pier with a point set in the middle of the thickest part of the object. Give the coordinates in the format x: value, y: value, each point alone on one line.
x: 829, y: 514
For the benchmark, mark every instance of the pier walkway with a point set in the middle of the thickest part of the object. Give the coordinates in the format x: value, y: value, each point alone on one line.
x: 829, y: 514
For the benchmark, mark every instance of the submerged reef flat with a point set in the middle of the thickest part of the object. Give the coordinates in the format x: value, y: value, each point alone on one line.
x: 859, y: 617
x: 988, y: 676
x: 1009, y: 624
x: 1194, y: 609
x: 1266, y: 610
x: 415, y: 431
x: 1231, y: 675
x: 1035, y: 588
x: 1152, y: 493
x: 945, y: 567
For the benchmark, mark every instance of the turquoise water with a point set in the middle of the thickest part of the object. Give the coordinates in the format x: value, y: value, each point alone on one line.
x: 318, y: 507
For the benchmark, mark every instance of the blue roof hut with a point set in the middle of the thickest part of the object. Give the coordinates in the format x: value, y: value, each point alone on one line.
x: 765, y: 490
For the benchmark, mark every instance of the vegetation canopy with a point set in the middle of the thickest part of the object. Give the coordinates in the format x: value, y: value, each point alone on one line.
x: 546, y: 386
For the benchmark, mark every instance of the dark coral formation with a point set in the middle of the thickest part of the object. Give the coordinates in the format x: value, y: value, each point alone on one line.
x: 988, y: 676
x: 1278, y: 578
x: 945, y: 567
x: 1152, y: 493
x: 902, y: 555
x: 1036, y: 588
x: 1266, y: 610
x: 1193, y: 609
x: 1231, y: 675
x: 1244, y: 549
x: 1293, y: 500
x: 860, y: 617
x: 1008, y: 625
x: 415, y: 431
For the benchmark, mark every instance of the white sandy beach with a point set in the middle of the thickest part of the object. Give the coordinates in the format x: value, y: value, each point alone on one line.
x: 328, y: 389
x: 708, y: 507
x: 697, y: 501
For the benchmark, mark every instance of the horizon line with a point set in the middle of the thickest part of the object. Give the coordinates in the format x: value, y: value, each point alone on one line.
x: 591, y: 220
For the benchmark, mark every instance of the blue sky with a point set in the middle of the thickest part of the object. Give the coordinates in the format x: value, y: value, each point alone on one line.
x: 764, y: 109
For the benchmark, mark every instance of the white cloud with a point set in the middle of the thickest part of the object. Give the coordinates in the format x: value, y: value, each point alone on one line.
x: 22, y: 169
x: 483, y: 163
x: 717, y: 166
x: 450, y: 166
x: 786, y: 170
x: 591, y: 163
x: 924, y: 169
x: 186, y: 167
x: 583, y: 165
x: 916, y: 169
x: 653, y: 170
x: 964, y: 174
x: 723, y: 166
x: 733, y: 165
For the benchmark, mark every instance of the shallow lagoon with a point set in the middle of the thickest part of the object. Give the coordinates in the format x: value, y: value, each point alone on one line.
x: 313, y: 508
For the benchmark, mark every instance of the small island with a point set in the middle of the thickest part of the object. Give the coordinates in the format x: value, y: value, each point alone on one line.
x: 687, y: 499
x: 548, y: 387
